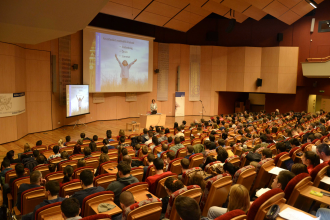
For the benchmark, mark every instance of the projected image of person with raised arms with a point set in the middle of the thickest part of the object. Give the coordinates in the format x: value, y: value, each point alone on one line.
x: 124, y: 74
x: 79, y: 102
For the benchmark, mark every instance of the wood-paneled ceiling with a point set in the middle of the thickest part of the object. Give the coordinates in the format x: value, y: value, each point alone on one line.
x: 184, y: 14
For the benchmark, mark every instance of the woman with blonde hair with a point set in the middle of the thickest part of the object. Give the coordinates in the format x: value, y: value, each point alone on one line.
x: 27, y: 148
x: 103, y: 158
x: 121, y: 132
x: 60, y: 143
x: 239, y: 198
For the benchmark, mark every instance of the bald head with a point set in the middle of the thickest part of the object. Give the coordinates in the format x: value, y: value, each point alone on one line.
x: 128, y: 159
x: 126, y: 198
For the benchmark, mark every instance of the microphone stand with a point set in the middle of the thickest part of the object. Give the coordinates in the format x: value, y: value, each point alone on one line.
x: 202, y: 109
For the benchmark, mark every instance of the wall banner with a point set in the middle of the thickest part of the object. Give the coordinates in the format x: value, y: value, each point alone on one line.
x: 64, y: 65
x: 162, y: 76
x: 179, y: 103
x: 194, y: 73
x: 131, y: 97
x: 12, y: 104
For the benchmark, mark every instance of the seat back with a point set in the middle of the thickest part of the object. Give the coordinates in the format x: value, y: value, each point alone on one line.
x: 144, y: 210
x: 12, y: 173
x: 40, y: 148
x: 212, y: 167
x: 150, y: 171
x: 182, y: 152
x: 160, y: 189
x: 216, y: 192
x: 96, y: 198
x: 175, y: 165
x: 16, y: 184
x: 245, y: 176
x: 96, y: 154
x: 157, y: 149
x: 236, y: 214
x: 113, y: 157
x: 235, y: 160
x: 196, y: 160
x: 65, y: 163
x: 104, y: 180
x: 244, y: 161
x: 31, y: 198
x: 57, y: 176
x: 281, y: 158
x: 136, y: 187
x: 98, y: 217
x: 55, y: 160
x: 189, y: 173
x: 263, y: 177
x: 294, y: 156
x: 43, y: 168
x: 76, y: 172
x: 107, y: 165
x: 192, y: 191
x: 292, y: 188
x: 69, y: 188
x: 137, y: 172
x: 93, y: 162
x: 76, y: 156
x: 196, y: 140
x: 257, y: 208
x: 71, y: 144
x: 49, y: 211
x: 319, y: 176
x: 67, y: 149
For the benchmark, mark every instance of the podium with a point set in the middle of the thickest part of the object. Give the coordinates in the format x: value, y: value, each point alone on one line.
x: 153, y: 120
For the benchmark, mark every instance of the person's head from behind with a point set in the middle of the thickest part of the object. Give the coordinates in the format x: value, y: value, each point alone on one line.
x: 150, y: 158
x: 5, y: 163
x: 190, y: 149
x: 169, y: 139
x: 35, y: 177
x: 81, y: 163
x: 95, y: 138
x: 52, y: 188
x: 87, y: 151
x: 159, y: 164
x: 127, y: 159
x: 266, y: 153
x: 65, y: 155
x: 212, y: 138
x: 294, y: 142
x: 280, y: 146
x: 10, y: 154
x: 104, y: 150
x: 86, y: 178
x: 230, y: 168
x: 170, y: 156
x: 155, y: 140
x: 187, y: 208
x: 145, y: 131
x: 310, y: 158
x: 282, y: 179
x: 121, y: 132
x: 70, y: 208
x: 40, y: 159
x: 172, y: 184
x: 221, y: 142
x: 222, y: 154
x: 298, y: 168
x: 27, y: 147
x: 164, y: 147
x: 124, y: 151
x: 198, y: 180
x: 19, y: 169
x: 60, y: 142
x: 323, y: 151
x: 82, y: 135
x: 145, y: 150
x: 68, y: 138
x: 181, y: 139
x: 39, y: 143
x: 105, y: 142
x: 122, y: 139
x: 56, y: 149
x: 68, y: 172
x: 157, y: 129
x: 239, y: 198
x: 104, y: 158
x: 184, y: 164
x: 124, y: 169
x: 137, y: 147
x: 126, y: 199
x: 109, y: 133
x: 177, y: 140
x: 52, y: 167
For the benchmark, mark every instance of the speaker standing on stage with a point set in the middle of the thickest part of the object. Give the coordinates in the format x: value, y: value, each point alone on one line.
x: 153, y: 107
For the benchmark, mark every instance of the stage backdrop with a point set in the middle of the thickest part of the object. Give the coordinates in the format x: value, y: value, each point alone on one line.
x: 194, y: 75
x: 12, y: 104
x: 179, y: 103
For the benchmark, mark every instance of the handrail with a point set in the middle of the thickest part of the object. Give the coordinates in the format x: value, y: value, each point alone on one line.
x: 318, y: 60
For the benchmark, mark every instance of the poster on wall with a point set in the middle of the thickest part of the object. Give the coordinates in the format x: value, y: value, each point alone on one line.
x: 179, y: 103
x: 12, y: 104
x: 131, y: 97
x: 194, y: 74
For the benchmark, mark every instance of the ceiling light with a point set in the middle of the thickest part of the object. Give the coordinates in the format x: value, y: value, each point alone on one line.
x: 312, y: 3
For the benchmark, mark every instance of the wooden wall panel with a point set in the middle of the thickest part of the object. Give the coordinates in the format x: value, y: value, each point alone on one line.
x: 235, y: 68
x: 7, y: 73
x: 252, y: 69
x: 269, y: 69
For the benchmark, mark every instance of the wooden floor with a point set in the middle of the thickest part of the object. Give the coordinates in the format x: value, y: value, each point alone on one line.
x: 98, y: 128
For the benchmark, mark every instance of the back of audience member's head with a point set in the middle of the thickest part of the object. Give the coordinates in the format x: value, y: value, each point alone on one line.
x: 65, y: 155
x: 222, y: 154
x: 56, y: 149
x: 280, y: 146
x: 35, y: 153
x: 173, y: 184
x: 104, y: 158
x: 19, y: 169
x: 313, y: 158
x: 239, y: 198
x: 181, y: 139
x: 159, y: 164
x: 52, y: 167
x: 164, y: 147
x: 190, y: 149
x: 155, y: 140
x: 108, y: 133
x: 177, y: 140
x: 68, y: 172
x: 127, y: 159
x: 323, y: 149
x: 282, y: 179
x: 87, y: 151
x: 197, y: 179
x: 92, y: 146
x: 53, y: 187
x: 86, y: 177
x: 157, y: 129
x: 145, y: 150
x: 105, y: 141
x: 169, y: 139
x: 5, y: 163
x: 35, y: 177
x: 150, y: 134
x: 81, y: 163
x: 230, y: 168
x: 212, y: 137
x: 27, y: 147
x: 151, y: 157
x: 105, y: 150
x: 60, y: 142
x: 39, y: 143
x: 70, y: 208
x: 170, y: 155
x: 267, y: 153
x: 82, y: 135
x: 221, y: 142
x: 95, y: 138
x: 295, y: 142
x: 185, y: 163
x: 187, y: 208
x: 121, y: 132
x: 124, y: 168
x: 126, y: 199
x: 122, y: 139
x: 124, y: 151
x: 298, y: 168
x: 68, y: 138
x: 40, y: 159
x: 145, y: 131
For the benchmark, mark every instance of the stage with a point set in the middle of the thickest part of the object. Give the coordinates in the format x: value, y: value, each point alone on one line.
x: 94, y: 128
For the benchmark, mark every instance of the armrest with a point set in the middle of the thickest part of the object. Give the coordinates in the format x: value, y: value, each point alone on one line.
x: 10, y: 201
x: 17, y: 212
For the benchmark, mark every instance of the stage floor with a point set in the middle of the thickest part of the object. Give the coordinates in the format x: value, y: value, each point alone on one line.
x: 98, y: 128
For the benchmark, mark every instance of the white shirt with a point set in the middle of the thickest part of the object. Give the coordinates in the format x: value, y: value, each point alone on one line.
x: 153, y: 106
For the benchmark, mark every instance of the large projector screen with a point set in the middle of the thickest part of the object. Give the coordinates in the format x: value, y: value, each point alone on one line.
x: 117, y: 62
x: 77, y: 100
